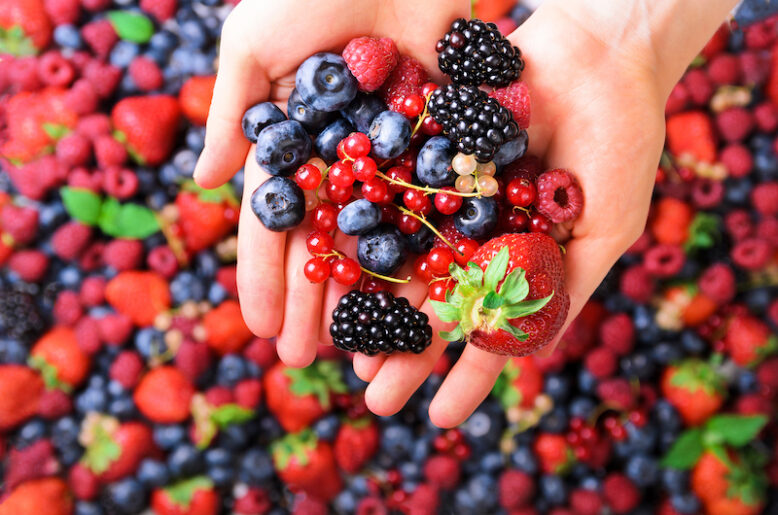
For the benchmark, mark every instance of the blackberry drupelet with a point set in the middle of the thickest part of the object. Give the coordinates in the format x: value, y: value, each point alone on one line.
x: 474, y: 52
x: 379, y: 322
x: 19, y: 316
x: 476, y: 123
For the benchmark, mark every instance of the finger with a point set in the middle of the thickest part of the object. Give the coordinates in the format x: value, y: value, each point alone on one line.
x: 401, y: 374
x: 260, y: 271
x: 240, y: 83
x: 333, y: 290
x: 299, y: 336
x: 466, y: 386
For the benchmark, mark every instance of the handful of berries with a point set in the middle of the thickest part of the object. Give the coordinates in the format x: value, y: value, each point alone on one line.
x: 373, y: 149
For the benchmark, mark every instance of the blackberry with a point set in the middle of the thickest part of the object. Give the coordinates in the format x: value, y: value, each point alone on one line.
x: 19, y: 316
x: 474, y: 52
x: 476, y: 123
x: 379, y: 322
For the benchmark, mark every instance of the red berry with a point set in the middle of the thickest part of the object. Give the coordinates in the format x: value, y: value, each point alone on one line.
x: 374, y: 190
x: 438, y: 289
x: 338, y: 194
x: 465, y: 250
x: 317, y: 270
x: 521, y: 192
x: 447, y: 204
x: 422, y: 269
x: 539, y: 223
x: 428, y: 88
x: 517, y: 221
x: 408, y: 158
x: 430, y: 127
x: 374, y: 284
x: 308, y: 177
x: 341, y: 174
x: 364, y: 168
x: 319, y: 243
x: 416, y: 201
x: 401, y: 174
x: 389, y: 214
x: 439, y: 260
x: 408, y: 224
x: 356, y: 145
x: 325, y: 217
x: 346, y: 271
x: 413, y: 105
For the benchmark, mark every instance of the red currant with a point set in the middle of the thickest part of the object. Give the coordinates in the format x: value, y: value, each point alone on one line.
x: 422, y: 269
x: 374, y: 285
x: 319, y: 242
x: 438, y: 289
x: 517, y: 221
x: 401, y: 174
x: 346, y: 271
x: 408, y: 224
x: 341, y: 174
x: 430, y: 127
x: 325, y: 217
x: 317, y: 270
x: 521, y: 192
x: 428, y: 87
x: 308, y: 177
x: 338, y: 194
x: 539, y: 223
x: 364, y: 168
x: 439, y: 260
x: 341, y: 149
x: 465, y: 250
x: 407, y: 158
x: 356, y: 145
x: 416, y: 201
x: 413, y: 105
x: 389, y: 214
x: 447, y: 204
x: 374, y: 190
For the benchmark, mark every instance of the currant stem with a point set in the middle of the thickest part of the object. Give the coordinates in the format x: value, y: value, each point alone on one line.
x: 386, y: 277
x: 426, y: 189
x: 429, y: 226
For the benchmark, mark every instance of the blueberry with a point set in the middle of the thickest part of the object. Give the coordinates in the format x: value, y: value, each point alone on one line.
x: 382, y: 250
x: 128, y: 495
x: 279, y: 204
x: 282, y: 147
x: 553, y: 489
x: 65, y: 432
x: 68, y: 36
x: 675, y: 481
x: 345, y: 502
x: 421, y: 241
x: 692, y: 342
x: 326, y: 428
x: 362, y: 110
x: 325, y: 82
x: 217, y: 294
x: 168, y: 436
x: 686, y: 503
x: 582, y: 407
x: 433, y: 164
x: 481, y: 488
x: 746, y: 381
x: 557, y: 386
x: 666, y: 415
x: 12, y: 351
x: 31, y: 432
x: 231, y: 369
x: 359, y: 217
x: 193, y: 33
x: 638, y: 365
x: 195, y: 139
x: 492, y: 462
x: 326, y: 144
x: 310, y: 118
x: 397, y: 441
x: 555, y: 421
x: 122, y: 407
x: 258, y: 117
x: 153, y: 473
x: 758, y: 299
x: 87, y: 508
x: 390, y: 135
x: 477, y: 217
x: 187, y: 286
x: 91, y: 399
x: 524, y: 459
x: 233, y: 437
x: 520, y: 14
x: 256, y: 467
x: 123, y: 52
x: 163, y: 41
x: 642, y: 470
x: 150, y: 342
x: 511, y: 150
x: 586, y: 381
x: 666, y: 353
x: 221, y: 476
x: 185, y: 460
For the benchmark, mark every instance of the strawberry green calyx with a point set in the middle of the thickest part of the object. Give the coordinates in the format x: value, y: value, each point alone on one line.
x: 209, y: 419
x: 181, y: 493
x: 294, y: 445
x: 695, y: 374
x: 504, y: 389
x: 97, y: 436
x: 224, y: 193
x: 15, y: 42
x: 487, y: 299
x: 49, y: 374
x: 320, y: 379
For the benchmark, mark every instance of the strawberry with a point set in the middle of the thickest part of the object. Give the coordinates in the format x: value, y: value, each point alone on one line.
x: 163, y: 395
x: 695, y: 389
x: 670, y: 221
x: 726, y: 485
x: 554, y: 453
x: 226, y: 332
x: 692, y: 133
x: 749, y: 340
x: 492, y: 10
x: 306, y: 463
x: 20, y: 391
x: 139, y: 295
x: 356, y: 443
x: 297, y: 397
x: 195, y: 98
x: 147, y: 126
x: 520, y: 382
x: 60, y: 359
x: 27, y: 27
x: 194, y: 496
x: 114, y: 450
x: 516, y: 304
x: 206, y: 216
x: 39, y: 496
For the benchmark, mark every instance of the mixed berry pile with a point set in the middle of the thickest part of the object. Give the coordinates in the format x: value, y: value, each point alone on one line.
x: 129, y: 381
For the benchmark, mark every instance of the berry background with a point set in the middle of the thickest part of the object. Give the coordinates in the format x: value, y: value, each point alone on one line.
x: 129, y: 382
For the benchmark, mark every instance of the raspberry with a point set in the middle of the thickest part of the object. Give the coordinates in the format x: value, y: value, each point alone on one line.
x: 62, y: 12
x: 515, y: 97
x: 738, y: 224
x: 193, y: 358
x: 123, y: 254
x: 699, y: 86
x: 162, y: 10
x: 772, y: 312
x: 67, y: 308
x: 219, y: 395
x: 88, y: 335
x: 126, y: 369
x: 406, y: 79
x: 617, y: 333
x: 760, y: 35
x: 103, y: 77
x: 442, y: 470
x: 82, y: 97
x: 163, y: 261
x: 637, y: 284
x: 448, y: 230
x: 261, y: 351
x: 24, y: 74
x: 121, y: 183
x: 737, y: 158
x: 766, y: 117
x: 92, y: 257
x: 678, y: 99
x: 724, y: 69
x: 81, y: 178
x: 753, y: 404
x: 74, y: 149
x: 601, y: 362
x: 735, y: 124
x: 114, y: 328
x: 767, y: 375
x: 371, y: 60
x: 21, y: 223
x: 707, y: 193
x: 145, y: 74
x: 751, y: 253
x: 54, y: 404
x: 83, y: 482
x: 756, y: 67
x: 559, y: 196
x: 70, y: 240
x: 516, y: 488
x: 55, y: 70
x: 617, y: 393
x: 585, y: 502
x: 94, y: 125
x: 32, y: 462
x: 767, y: 229
x: 109, y: 152
x: 764, y: 198
x: 620, y: 493
x: 664, y: 260
x: 248, y: 393
x: 95, y: 5
x: 718, y: 283
x: 29, y: 265
x: 100, y: 36
x: 227, y: 277
x: 424, y: 499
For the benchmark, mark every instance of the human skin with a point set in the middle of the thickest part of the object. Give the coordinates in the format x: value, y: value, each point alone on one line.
x: 598, y: 76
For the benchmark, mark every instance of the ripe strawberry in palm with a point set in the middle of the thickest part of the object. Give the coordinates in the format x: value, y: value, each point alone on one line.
x: 39, y: 496
x: 27, y: 28
x: 194, y: 496
x: 511, y: 299
x: 297, y: 397
x: 695, y: 389
x: 114, y: 450
x: 60, y: 359
x: 20, y: 390
x: 356, y: 443
x: 749, y: 340
x: 306, y: 463
x: 147, y: 125
x: 727, y: 485
x: 206, y: 216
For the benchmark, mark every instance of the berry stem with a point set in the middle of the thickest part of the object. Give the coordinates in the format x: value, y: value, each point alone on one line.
x: 431, y: 227
x: 426, y: 189
x: 386, y: 277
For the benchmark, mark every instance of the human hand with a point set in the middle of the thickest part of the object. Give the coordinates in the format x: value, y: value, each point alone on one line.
x: 262, y: 45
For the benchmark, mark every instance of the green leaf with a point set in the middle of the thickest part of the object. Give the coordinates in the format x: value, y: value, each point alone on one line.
x: 108, y: 220
x: 223, y: 193
x: 101, y: 452
x: 703, y: 232
x: 49, y: 374
x: 686, y: 450
x: 525, y: 307
x: 182, y: 492
x: 13, y: 41
x: 515, y: 287
x: 495, y: 271
x: 454, y: 335
x: 81, y: 204
x: 131, y: 26
x: 474, y: 274
x: 493, y: 300
x: 458, y: 273
x: 55, y: 131
x: 229, y: 414
x: 514, y: 331
x: 735, y: 430
x: 136, y: 222
x: 446, y: 312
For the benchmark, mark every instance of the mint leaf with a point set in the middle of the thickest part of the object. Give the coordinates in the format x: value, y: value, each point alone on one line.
x: 515, y: 287
x: 131, y: 26
x: 495, y: 271
x: 108, y: 220
x: 686, y: 450
x: 446, y: 312
x: 735, y: 430
x: 454, y: 335
x: 229, y: 414
x: 81, y: 204
x: 493, y: 300
x: 136, y: 222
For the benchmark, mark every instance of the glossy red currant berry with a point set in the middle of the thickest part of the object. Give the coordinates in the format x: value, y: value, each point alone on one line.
x: 539, y: 223
x: 408, y: 224
x: 319, y: 242
x: 346, y: 271
x: 407, y: 158
x: 439, y: 260
x: 438, y: 289
x: 338, y: 194
x: 447, y: 204
x: 317, y: 270
x: 325, y: 217
x: 517, y: 221
x: 374, y: 190
x: 341, y: 174
x: 364, y: 168
x: 416, y: 201
x: 521, y: 192
x: 465, y: 250
x: 427, y: 88
x: 374, y: 284
x: 413, y: 105
x: 389, y: 214
x: 308, y: 177
x: 430, y: 127
x: 400, y: 174
x: 356, y: 145
x: 422, y: 269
